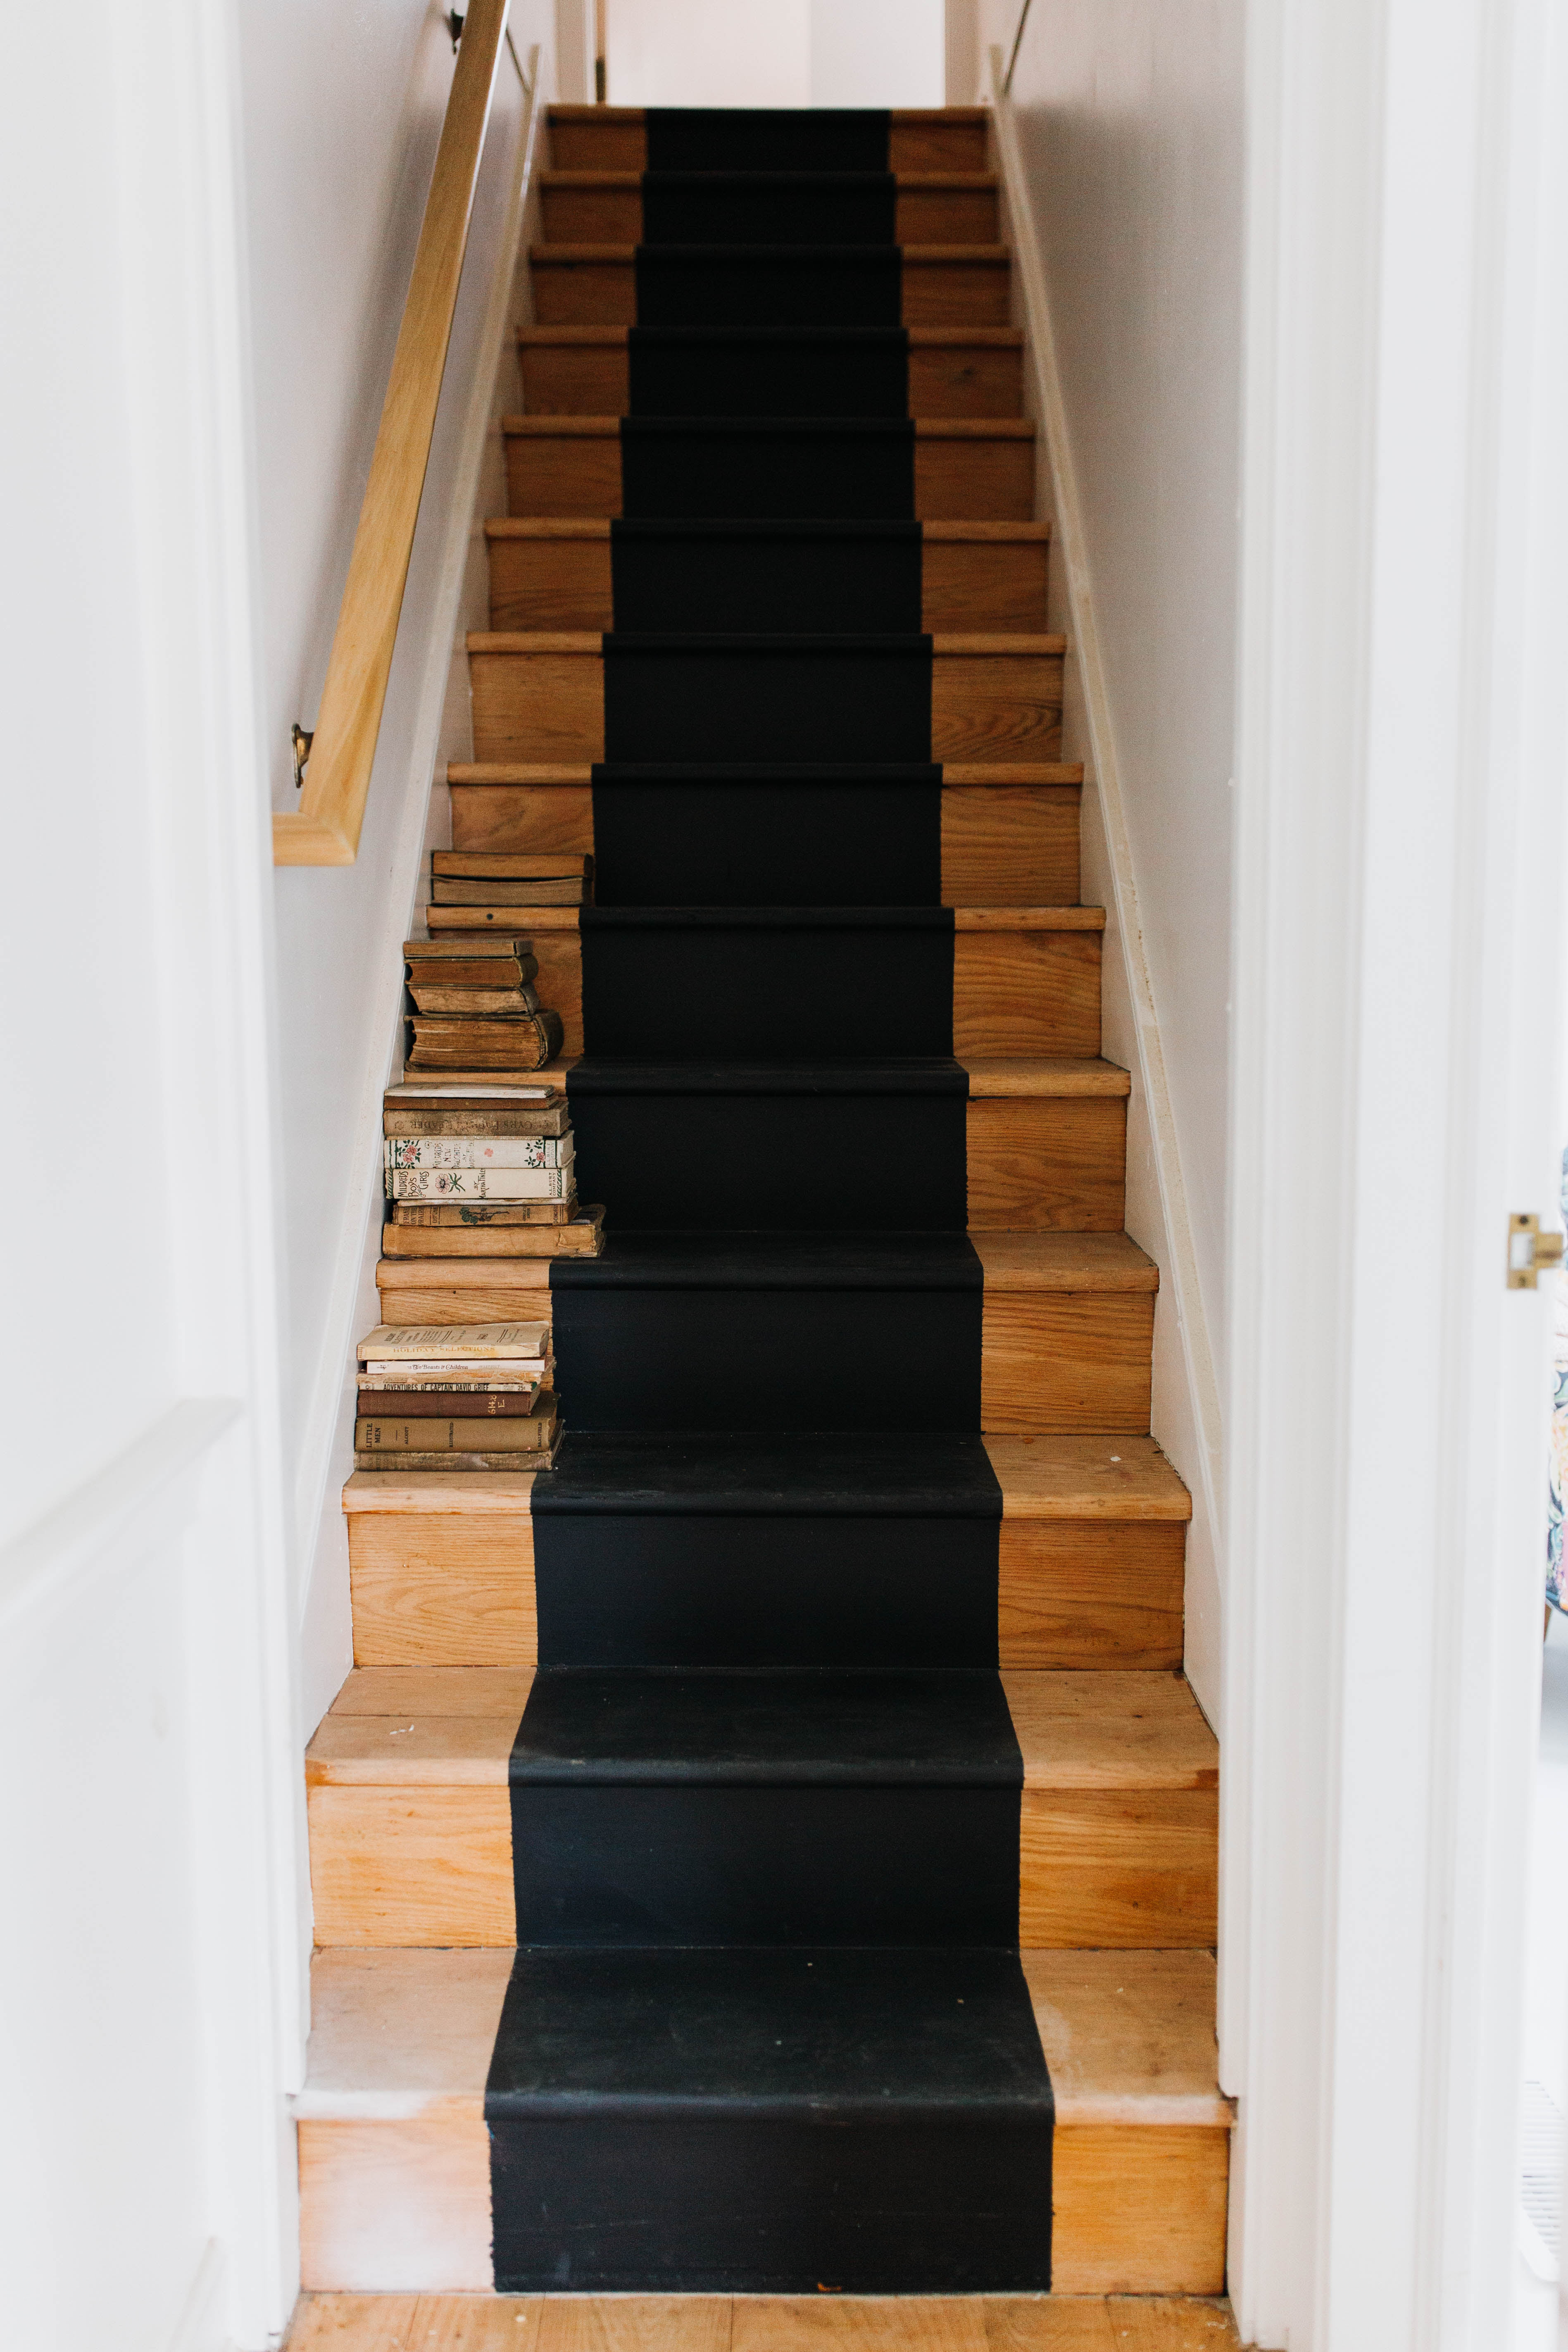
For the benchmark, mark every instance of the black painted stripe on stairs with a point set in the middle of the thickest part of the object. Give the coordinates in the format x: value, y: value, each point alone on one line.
x: 714, y: 1551
x: 767, y: 983
x: 783, y: 576
x: 682, y: 833
x: 804, y: 1146
x: 769, y: 285
x: 702, y: 1809
x: 770, y: 2121
x: 713, y: 698
x: 855, y: 469
x: 769, y: 1332
x: 767, y: 138
x: 757, y: 207
x: 768, y: 372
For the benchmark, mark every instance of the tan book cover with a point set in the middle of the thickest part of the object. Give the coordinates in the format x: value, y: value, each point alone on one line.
x: 394, y: 1342
x: 582, y: 1236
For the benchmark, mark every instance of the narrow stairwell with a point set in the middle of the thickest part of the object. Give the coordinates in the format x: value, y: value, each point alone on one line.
x: 774, y: 1850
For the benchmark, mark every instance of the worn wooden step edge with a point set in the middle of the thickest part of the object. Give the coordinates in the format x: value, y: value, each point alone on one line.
x: 1113, y: 1479
x: 964, y: 919
x: 397, y: 2035
x: 927, y: 256
x: 954, y: 773
x: 1105, y: 1728
x: 597, y: 527
x: 936, y: 338
x: 571, y: 110
x: 962, y: 181
x: 969, y: 644
x: 1011, y: 1262
x: 927, y: 428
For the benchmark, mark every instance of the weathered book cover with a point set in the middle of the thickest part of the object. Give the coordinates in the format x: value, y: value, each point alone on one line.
x: 512, y: 864
x: 487, y: 1213
x: 478, y: 1150
x: 480, y: 1183
x: 525, y: 1044
x: 543, y: 1459
x: 582, y: 1236
x: 506, y: 939
x: 455, y: 890
x: 407, y: 1343
x: 444, y: 1404
x: 402, y: 1433
x: 445, y: 998
x: 550, y: 1120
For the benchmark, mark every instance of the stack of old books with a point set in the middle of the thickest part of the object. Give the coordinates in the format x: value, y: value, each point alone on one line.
x: 480, y: 1169
x: 476, y: 1007
x: 455, y: 1396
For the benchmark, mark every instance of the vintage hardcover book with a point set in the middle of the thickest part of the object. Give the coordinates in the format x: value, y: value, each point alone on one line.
x: 395, y: 1432
x: 480, y: 1183
x: 506, y: 939
x: 503, y: 1002
x: 544, y: 1459
x: 407, y: 1343
x: 526, y: 1044
x: 481, y: 878
x: 551, y: 1118
x: 579, y: 1235
x: 441, y: 1404
x: 487, y: 1214
x: 480, y: 1151
x: 484, y: 1091
x: 472, y: 969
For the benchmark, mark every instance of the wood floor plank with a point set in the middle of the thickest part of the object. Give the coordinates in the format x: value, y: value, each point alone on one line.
x: 891, y: 2323
x: 638, y: 2323
x: 491, y: 2322
x: 354, y: 2323
x: 1170, y: 2323
x: 1052, y: 2323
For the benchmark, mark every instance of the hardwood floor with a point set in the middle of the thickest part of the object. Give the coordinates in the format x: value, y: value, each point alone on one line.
x: 651, y: 2323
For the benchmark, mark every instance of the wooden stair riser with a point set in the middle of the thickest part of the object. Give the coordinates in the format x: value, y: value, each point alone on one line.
x: 613, y: 139
x: 608, y: 210
x: 415, y: 1862
x: 967, y: 586
x: 1136, y: 2209
x: 448, y: 1590
x: 1050, y: 1359
x: 958, y: 476
x: 1014, y: 993
x: 549, y: 706
x: 1002, y: 845
x: 949, y: 374
x: 595, y: 286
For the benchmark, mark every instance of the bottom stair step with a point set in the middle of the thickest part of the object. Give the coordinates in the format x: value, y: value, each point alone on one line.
x: 398, y: 2193
x: 773, y: 2122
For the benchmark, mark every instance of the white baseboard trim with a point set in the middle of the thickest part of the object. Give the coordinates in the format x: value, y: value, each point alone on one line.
x: 203, y: 2324
x: 1186, y: 1415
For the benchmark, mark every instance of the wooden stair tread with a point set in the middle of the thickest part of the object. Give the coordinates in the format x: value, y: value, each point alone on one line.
x: 927, y: 428
x: 453, y: 1726
x: 580, y: 772
x: 932, y: 338
x: 1063, y: 1476
x: 917, y: 256
x: 591, y: 641
x: 571, y: 110
x: 597, y: 527
x: 1050, y: 1077
x: 634, y: 180
x: 400, y: 2034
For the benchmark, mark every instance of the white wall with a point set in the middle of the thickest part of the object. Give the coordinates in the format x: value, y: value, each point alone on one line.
x: 1129, y: 118
x: 776, y: 52
x: 341, y: 111
x: 149, y: 1930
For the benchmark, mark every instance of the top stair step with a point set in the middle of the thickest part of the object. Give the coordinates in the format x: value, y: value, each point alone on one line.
x: 919, y: 139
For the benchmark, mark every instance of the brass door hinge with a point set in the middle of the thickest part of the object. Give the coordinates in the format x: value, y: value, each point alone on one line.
x: 1531, y: 1253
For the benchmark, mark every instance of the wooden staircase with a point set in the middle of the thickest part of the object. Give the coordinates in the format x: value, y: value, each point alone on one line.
x: 410, y: 1801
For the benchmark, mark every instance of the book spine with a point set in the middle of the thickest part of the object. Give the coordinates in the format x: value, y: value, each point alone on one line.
x: 500, y: 1003
x: 441, y: 1402
x: 480, y: 1183
x: 541, y: 1458
x: 446, y: 1041
x: 451, y: 1437
x: 514, y: 1124
x: 479, y: 1152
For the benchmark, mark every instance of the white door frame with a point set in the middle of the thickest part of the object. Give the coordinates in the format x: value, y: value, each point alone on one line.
x: 1398, y: 977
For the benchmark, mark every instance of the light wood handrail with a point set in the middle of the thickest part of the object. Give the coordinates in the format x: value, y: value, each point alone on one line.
x: 324, y: 830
